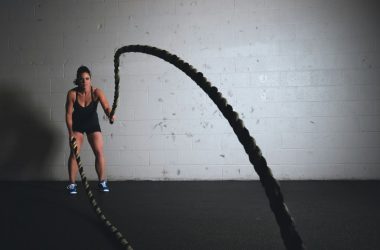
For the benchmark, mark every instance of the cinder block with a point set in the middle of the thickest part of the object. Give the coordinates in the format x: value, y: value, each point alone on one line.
x: 323, y: 156
x: 243, y: 5
x: 116, y: 142
x: 48, y: 71
x: 137, y: 82
x: 61, y: 85
x: 4, y: 13
x: 206, y: 142
x: 330, y: 140
x: 235, y: 80
x: 327, y: 77
x: 38, y: 85
x: 369, y: 123
x: 191, y: 172
x: 159, y: 97
x: 250, y: 64
x: 132, y: 8
x: 204, y: 126
x: 344, y: 108
x: 51, y: 10
x: 239, y: 172
x: 124, y: 114
x: 173, y: 141
x: 163, y: 157
x: 150, y: 66
x: 187, y: 112
x: 296, y: 78
x: 193, y: 157
x: 189, y: 7
x: 116, y: 173
x: 104, y: 8
x: 190, y: 97
x: 18, y: 42
x: 21, y: 10
x: 219, y: 65
x: 359, y: 76
x: 135, y: 157
x: 134, y: 99
x: 58, y: 114
x: 145, y: 142
x: 148, y: 111
x: 266, y: 79
x: 155, y: 172
x: 132, y: 127
x: 332, y: 124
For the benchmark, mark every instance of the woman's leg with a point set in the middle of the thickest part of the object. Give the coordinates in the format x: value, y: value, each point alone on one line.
x: 72, y: 164
x: 96, y: 142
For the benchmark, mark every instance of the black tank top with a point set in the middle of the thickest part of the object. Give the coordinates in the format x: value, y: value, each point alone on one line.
x: 85, y: 119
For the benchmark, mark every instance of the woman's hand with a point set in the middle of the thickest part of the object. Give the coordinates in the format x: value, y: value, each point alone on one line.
x: 71, y: 134
x: 112, y: 119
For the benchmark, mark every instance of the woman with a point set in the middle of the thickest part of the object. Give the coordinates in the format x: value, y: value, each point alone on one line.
x: 81, y: 117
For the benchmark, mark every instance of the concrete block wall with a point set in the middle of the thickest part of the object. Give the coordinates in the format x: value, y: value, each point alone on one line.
x: 302, y: 74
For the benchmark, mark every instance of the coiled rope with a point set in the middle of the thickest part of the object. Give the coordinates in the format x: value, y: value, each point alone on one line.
x: 289, y: 234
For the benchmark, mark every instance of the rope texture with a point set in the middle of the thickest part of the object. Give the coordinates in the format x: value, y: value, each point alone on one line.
x: 123, y: 242
x: 290, y: 236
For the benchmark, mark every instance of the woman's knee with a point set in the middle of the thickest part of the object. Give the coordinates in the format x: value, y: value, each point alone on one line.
x: 99, y: 153
x: 72, y: 157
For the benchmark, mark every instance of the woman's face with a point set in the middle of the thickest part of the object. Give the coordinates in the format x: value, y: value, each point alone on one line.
x: 85, y: 80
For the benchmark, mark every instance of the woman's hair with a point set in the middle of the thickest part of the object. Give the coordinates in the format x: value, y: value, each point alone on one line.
x: 82, y: 69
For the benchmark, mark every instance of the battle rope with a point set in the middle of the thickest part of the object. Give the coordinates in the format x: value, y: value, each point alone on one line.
x: 290, y: 236
x: 123, y: 242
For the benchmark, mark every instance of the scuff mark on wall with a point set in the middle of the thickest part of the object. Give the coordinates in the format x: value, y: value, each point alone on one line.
x: 173, y: 136
x: 162, y: 125
x: 204, y: 124
x: 189, y: 135
x: 164, y: 172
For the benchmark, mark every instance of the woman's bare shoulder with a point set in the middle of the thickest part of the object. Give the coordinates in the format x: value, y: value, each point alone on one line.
x: 98, y: 92
x: 71, y: 92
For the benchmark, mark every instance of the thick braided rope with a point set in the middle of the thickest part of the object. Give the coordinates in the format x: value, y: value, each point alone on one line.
x: 290, y: 236
x: 123, y: 242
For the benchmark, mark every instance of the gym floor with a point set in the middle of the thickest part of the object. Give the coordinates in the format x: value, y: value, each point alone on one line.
x: 190, y: 215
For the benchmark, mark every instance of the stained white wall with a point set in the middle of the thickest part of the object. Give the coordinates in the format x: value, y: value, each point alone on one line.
x: 302, y: 74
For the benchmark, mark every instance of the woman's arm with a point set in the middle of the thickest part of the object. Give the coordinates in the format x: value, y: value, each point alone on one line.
x: 105, y: 105
x: 69, y: 112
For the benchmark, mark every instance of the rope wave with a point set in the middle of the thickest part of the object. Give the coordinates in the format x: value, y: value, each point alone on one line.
x: 289, y: 234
